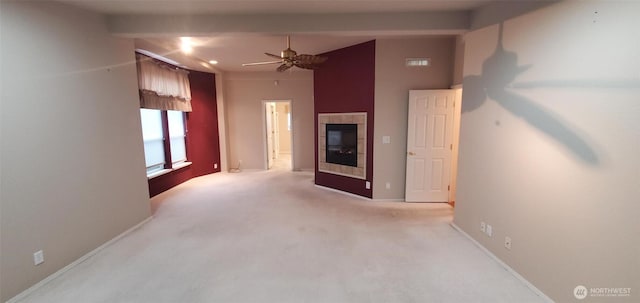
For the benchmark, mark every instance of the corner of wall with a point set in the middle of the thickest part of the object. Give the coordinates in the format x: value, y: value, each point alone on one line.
x: 222, y: 121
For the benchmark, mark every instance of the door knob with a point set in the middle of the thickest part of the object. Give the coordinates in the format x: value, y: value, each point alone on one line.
x: 411, y: 154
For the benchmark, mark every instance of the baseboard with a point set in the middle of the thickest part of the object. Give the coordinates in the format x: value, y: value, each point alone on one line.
x: 75, y: 263
x: 245, y: 170
x: 388, y: 200
x: 507, y: 267
x: 342, y: 192
x: 357, y: 196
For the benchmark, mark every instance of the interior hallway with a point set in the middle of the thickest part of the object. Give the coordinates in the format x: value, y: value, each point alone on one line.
x: 272, y: 236
x: 282, y: 163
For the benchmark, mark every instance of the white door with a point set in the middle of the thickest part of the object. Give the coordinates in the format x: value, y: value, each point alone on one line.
x: 429, y: 139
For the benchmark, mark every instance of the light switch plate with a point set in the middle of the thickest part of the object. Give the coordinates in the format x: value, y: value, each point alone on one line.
x: 38, y: 257
x: 386, y: 139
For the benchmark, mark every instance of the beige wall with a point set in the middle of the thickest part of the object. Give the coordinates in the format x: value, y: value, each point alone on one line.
x: 73, y: 174
x: 458, y: 61
x: 244, y: 93
x: 392, y: 85
x: 550, y: 157
x: 285, y: 134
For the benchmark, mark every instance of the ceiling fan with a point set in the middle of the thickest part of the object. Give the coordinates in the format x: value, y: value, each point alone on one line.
x: 289, y: 58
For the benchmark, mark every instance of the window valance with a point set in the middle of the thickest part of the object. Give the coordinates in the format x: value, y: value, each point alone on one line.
x: 162, y: 86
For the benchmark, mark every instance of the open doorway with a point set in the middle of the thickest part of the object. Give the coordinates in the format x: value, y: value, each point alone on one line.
x: 278, y: 135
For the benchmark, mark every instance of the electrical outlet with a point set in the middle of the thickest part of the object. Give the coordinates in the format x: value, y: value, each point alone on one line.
x: 483, y: 227
x: 38, y: 257
x: 215, y: 165
x: 367, y: 185
x: 489, y: 230
x: 507, y: 243
x: 388, y: 185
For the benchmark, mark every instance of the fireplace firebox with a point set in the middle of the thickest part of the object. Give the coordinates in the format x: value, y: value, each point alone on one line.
x: 342, y: 144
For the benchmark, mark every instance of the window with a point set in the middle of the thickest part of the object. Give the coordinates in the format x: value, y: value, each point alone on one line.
x: 177, y: 136
x: 161, y: 154
x: 165, y: 96
x: 153, y: 139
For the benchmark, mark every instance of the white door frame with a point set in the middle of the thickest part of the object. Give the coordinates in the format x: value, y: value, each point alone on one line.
x: 264, y: 130
x: 269, y: 111
x: 457, y: 112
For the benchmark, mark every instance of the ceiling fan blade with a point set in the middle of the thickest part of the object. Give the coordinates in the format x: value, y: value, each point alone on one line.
x: 309, y: 59
x: 272, y: 55
x: 262, y: 63
x: 306, y: 66
x: 289, y: 58
x: 284, y: 67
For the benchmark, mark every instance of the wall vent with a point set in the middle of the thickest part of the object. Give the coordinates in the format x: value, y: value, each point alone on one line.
x: 418, y: 62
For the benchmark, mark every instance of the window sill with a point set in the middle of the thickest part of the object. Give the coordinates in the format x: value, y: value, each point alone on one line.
x: 181, y: 165
x: 168, y: 170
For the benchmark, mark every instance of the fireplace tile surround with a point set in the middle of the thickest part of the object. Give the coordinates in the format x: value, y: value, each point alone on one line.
x: 359, y: 118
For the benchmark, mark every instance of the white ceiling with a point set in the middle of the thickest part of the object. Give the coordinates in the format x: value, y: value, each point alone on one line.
x: 231, y: 50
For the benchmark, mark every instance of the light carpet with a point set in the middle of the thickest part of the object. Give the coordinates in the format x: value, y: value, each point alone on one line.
x: 273, y: 236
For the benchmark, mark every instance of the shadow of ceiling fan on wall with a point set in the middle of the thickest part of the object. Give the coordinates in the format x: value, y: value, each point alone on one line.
x: 289, y: 58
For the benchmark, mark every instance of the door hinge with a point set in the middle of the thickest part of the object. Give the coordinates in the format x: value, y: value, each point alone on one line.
x: 449, y: 187
x: 451, y: 146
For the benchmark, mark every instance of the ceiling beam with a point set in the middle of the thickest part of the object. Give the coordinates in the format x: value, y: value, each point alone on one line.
x: 366, y: 23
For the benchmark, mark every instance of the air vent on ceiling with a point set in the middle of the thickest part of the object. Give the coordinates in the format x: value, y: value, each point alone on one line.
x: 418, y: 62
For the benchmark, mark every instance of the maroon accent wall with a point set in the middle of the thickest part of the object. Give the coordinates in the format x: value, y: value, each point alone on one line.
x: 203, y: 140
x: 165, y: 182
x: 203, y: 146
x: 346, y: 83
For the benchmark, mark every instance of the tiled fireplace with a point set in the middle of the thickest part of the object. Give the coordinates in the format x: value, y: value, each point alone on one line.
x: 342, y: 142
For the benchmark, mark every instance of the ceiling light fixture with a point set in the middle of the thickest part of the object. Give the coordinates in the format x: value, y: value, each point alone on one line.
x: 185, y: 45
x: 214, y: 62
